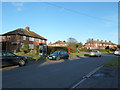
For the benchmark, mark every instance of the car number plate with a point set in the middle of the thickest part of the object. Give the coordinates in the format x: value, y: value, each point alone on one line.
x: 50, y: 57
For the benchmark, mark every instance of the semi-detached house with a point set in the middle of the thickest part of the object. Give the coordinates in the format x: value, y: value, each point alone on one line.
x: 14, y: 40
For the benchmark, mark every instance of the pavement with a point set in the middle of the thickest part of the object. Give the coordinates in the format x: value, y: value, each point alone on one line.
x: 105, y: 77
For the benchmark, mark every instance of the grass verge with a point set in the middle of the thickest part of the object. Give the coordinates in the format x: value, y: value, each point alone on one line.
x: 113, y: 63
x: 76, y: 54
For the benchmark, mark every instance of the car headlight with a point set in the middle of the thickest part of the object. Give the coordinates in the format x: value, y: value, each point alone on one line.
x: 53, y: 56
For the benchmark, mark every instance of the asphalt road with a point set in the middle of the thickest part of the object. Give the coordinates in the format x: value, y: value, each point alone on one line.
x: 52, y: 74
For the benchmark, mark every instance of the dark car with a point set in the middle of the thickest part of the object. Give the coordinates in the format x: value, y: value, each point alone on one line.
x: 59, y: 55
x: 8, y: 58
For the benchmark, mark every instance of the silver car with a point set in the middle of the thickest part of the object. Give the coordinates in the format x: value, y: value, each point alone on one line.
x: 95, y: 53
x: 117, y: 52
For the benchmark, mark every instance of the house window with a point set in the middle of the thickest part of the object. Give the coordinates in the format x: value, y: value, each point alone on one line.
x: 3, y: 37
x: 8, y: 37
x: 31, y: 39
x: 96, y: 45
x: 100, y: 44
x: 24, y: 37
x: 31, y: 46
x: 37, y: 40
x: 22, y: 45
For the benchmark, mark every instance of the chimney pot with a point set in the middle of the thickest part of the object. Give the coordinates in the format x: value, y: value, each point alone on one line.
x: 27, y: 28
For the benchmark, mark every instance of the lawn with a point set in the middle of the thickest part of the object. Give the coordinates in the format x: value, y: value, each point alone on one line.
x: 31, y: 56
x: 113, y: 63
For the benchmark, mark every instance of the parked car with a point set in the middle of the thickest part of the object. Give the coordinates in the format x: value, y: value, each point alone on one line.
x: 8, y: 58
x: 117, y: 52
x: 57, y: 55
x: 95, y: 53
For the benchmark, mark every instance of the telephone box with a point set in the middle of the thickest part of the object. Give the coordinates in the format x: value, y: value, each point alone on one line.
x: 43, y: 49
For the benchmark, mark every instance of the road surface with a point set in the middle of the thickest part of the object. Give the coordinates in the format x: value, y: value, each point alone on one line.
x: 52, y: 74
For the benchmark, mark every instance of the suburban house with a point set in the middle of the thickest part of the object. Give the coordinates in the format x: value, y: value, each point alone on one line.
x: 58, y: 44
x: 97, y: 44
x: 16, y: 39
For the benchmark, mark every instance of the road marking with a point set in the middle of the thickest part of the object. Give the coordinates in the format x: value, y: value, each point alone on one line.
x: 85, y: 77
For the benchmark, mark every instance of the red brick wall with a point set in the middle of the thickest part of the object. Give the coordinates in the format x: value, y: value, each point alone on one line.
x: 17, y: 38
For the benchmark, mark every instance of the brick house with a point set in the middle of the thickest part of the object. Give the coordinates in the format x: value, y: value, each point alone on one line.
x: 14, y: 40
x: 96, y: 44
x: 58, y: 44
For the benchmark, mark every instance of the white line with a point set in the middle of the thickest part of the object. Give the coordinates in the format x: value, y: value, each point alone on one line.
x: 86, y: 76
x: 79, y: 83
x: 89, y: 74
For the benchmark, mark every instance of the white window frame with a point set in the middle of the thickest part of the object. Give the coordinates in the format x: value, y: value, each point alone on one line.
x: 3, y: 37
x: 8, y: 37
x: 24, y: 37
x: 31, y: 39
x: 37, y: 40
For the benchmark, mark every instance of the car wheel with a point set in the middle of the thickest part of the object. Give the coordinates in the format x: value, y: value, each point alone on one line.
x: 58, y: 58
x: 67, y: 57
x: 22, y: 62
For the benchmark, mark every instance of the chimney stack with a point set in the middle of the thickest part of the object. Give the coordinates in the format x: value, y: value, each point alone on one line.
x: 27, y: 28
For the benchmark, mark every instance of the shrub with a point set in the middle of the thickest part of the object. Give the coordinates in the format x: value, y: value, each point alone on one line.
x: 37, y: 50
x: 25, y: 49
x: 85, y: 49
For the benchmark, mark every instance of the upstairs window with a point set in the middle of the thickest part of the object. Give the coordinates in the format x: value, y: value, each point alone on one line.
x: 37, y: 40
x: 8, y: 37
x: 3, y: 37
x: 24, y: 37
x: 31, y: 39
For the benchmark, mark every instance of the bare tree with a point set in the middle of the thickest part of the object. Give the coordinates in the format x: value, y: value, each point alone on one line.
x: 72, y: 40
x: 72, y: 44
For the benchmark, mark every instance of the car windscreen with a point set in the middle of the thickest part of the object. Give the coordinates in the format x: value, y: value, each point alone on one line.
x: 94, y: 51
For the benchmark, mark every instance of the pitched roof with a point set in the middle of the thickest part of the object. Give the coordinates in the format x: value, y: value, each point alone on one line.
x: 60, y: 42
x: 25, y: 32
x: 100, y: 42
